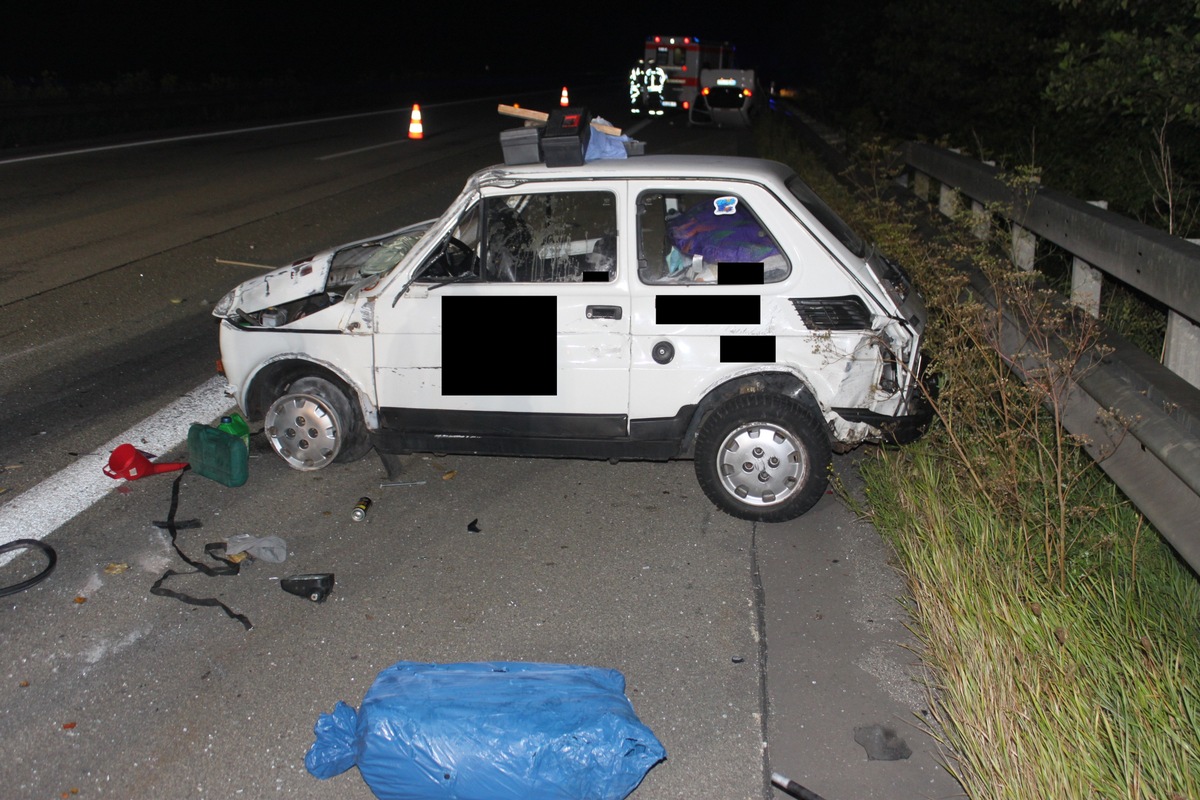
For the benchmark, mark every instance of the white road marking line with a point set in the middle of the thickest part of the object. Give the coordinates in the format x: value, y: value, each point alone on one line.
x: 235, y: 131
x: 33, y: 349
x: 360, y: 150
x: 194, y: 136
x: 38, y: 512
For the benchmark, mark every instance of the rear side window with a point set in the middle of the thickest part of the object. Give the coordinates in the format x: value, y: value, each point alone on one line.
x: 688, y: 237
x: 827, y: 216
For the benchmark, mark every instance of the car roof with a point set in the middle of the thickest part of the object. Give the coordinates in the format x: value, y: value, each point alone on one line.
x: 739, y: 168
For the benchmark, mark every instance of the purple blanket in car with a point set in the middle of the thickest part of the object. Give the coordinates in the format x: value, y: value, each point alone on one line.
x: 718, y: 237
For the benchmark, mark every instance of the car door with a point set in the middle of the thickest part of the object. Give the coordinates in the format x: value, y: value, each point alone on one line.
x: 709, y: 301
x: 516, y: 335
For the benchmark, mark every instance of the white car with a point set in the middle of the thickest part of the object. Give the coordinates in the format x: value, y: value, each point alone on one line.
x: 655, y: 307
x: 728, y: 98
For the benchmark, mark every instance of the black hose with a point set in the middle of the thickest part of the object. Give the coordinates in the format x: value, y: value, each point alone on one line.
x: 51, y: 559
x: 792, y: 788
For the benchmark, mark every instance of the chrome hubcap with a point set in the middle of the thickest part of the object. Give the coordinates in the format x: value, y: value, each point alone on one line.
x: 761, y: 464
x: 302, y: 431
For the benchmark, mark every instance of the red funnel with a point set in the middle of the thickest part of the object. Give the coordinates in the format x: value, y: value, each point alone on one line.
x: 130, y: 463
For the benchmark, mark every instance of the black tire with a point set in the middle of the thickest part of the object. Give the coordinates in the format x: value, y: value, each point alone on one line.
x: 315, y: 424
x: 764, y: 458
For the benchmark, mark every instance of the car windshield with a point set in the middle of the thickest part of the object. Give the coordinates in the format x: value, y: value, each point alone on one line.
x: 352, y: 264
x: 827, y: 216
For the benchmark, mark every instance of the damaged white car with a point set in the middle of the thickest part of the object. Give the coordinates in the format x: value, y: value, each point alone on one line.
x: 656, y: 307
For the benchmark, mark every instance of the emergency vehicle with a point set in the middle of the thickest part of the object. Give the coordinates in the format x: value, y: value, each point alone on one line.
x: 683, y: 57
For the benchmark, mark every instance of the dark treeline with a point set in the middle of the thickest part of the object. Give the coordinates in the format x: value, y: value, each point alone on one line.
x: 1102, y: 96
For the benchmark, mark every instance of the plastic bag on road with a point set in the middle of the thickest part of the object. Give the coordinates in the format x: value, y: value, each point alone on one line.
x: 265, y: 548
x: 489, y: 731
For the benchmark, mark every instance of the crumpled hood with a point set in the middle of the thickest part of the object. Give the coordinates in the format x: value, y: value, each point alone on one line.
x: 301, y: 279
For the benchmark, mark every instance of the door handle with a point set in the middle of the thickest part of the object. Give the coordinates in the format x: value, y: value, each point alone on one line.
x: 603, y: 312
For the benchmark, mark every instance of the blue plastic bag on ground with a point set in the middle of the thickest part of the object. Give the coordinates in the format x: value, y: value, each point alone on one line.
x: 489, y: 731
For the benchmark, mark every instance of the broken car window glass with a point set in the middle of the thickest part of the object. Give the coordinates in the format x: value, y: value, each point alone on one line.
x: 351, y: 264
x: 457, y: 257
x: 557, y: 237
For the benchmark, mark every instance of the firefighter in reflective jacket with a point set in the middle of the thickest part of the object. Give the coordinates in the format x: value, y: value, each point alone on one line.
x: 637, y: 89
x: 654, y: 79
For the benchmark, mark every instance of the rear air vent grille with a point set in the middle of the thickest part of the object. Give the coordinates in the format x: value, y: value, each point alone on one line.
x: 847, y: 313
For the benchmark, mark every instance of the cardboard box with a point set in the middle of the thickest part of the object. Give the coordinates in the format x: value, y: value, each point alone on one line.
x: 522, y: 145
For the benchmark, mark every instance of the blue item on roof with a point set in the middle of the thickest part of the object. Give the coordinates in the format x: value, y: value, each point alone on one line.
x: 606, y: 145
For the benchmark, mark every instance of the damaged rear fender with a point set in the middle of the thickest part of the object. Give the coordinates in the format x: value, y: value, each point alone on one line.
x: 784, y: 383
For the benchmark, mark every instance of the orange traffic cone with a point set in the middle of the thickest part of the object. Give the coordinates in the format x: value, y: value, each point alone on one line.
x: 564, y: 102
x: 415, y: 129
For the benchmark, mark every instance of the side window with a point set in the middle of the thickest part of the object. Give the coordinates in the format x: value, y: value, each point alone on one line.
x: 558, y: 237
x: 457, y: 257
x: 684, y: 238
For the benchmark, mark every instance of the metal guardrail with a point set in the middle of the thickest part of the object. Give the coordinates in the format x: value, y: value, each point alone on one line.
x: 1153, y: 451
x: 1153, y: 455
x: 1130, y: 411
x: 1160, y: 265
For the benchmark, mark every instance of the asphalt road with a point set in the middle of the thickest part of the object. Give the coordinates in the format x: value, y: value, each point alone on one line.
x: 746, y: 649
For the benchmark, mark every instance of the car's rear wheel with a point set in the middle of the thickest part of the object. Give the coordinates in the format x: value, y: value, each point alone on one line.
x: 315, y: 424
x: 764, y: 458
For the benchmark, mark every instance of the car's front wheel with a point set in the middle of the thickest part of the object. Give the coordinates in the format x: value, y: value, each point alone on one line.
x: 314, y: 424
x: 764, y: 458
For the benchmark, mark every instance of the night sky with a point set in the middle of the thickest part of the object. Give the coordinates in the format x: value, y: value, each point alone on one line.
x: 257, y: 40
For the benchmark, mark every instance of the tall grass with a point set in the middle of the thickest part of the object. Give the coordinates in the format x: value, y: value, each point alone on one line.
x: 1060, y: 631
x: 1086, y: 689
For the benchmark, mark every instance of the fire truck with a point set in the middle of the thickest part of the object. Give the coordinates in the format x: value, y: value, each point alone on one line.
x: 682, y: 57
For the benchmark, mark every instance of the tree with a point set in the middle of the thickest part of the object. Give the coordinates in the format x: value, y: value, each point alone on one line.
x: 1132, y: 69
x: 1137, y: 59
x: 967, y: 71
